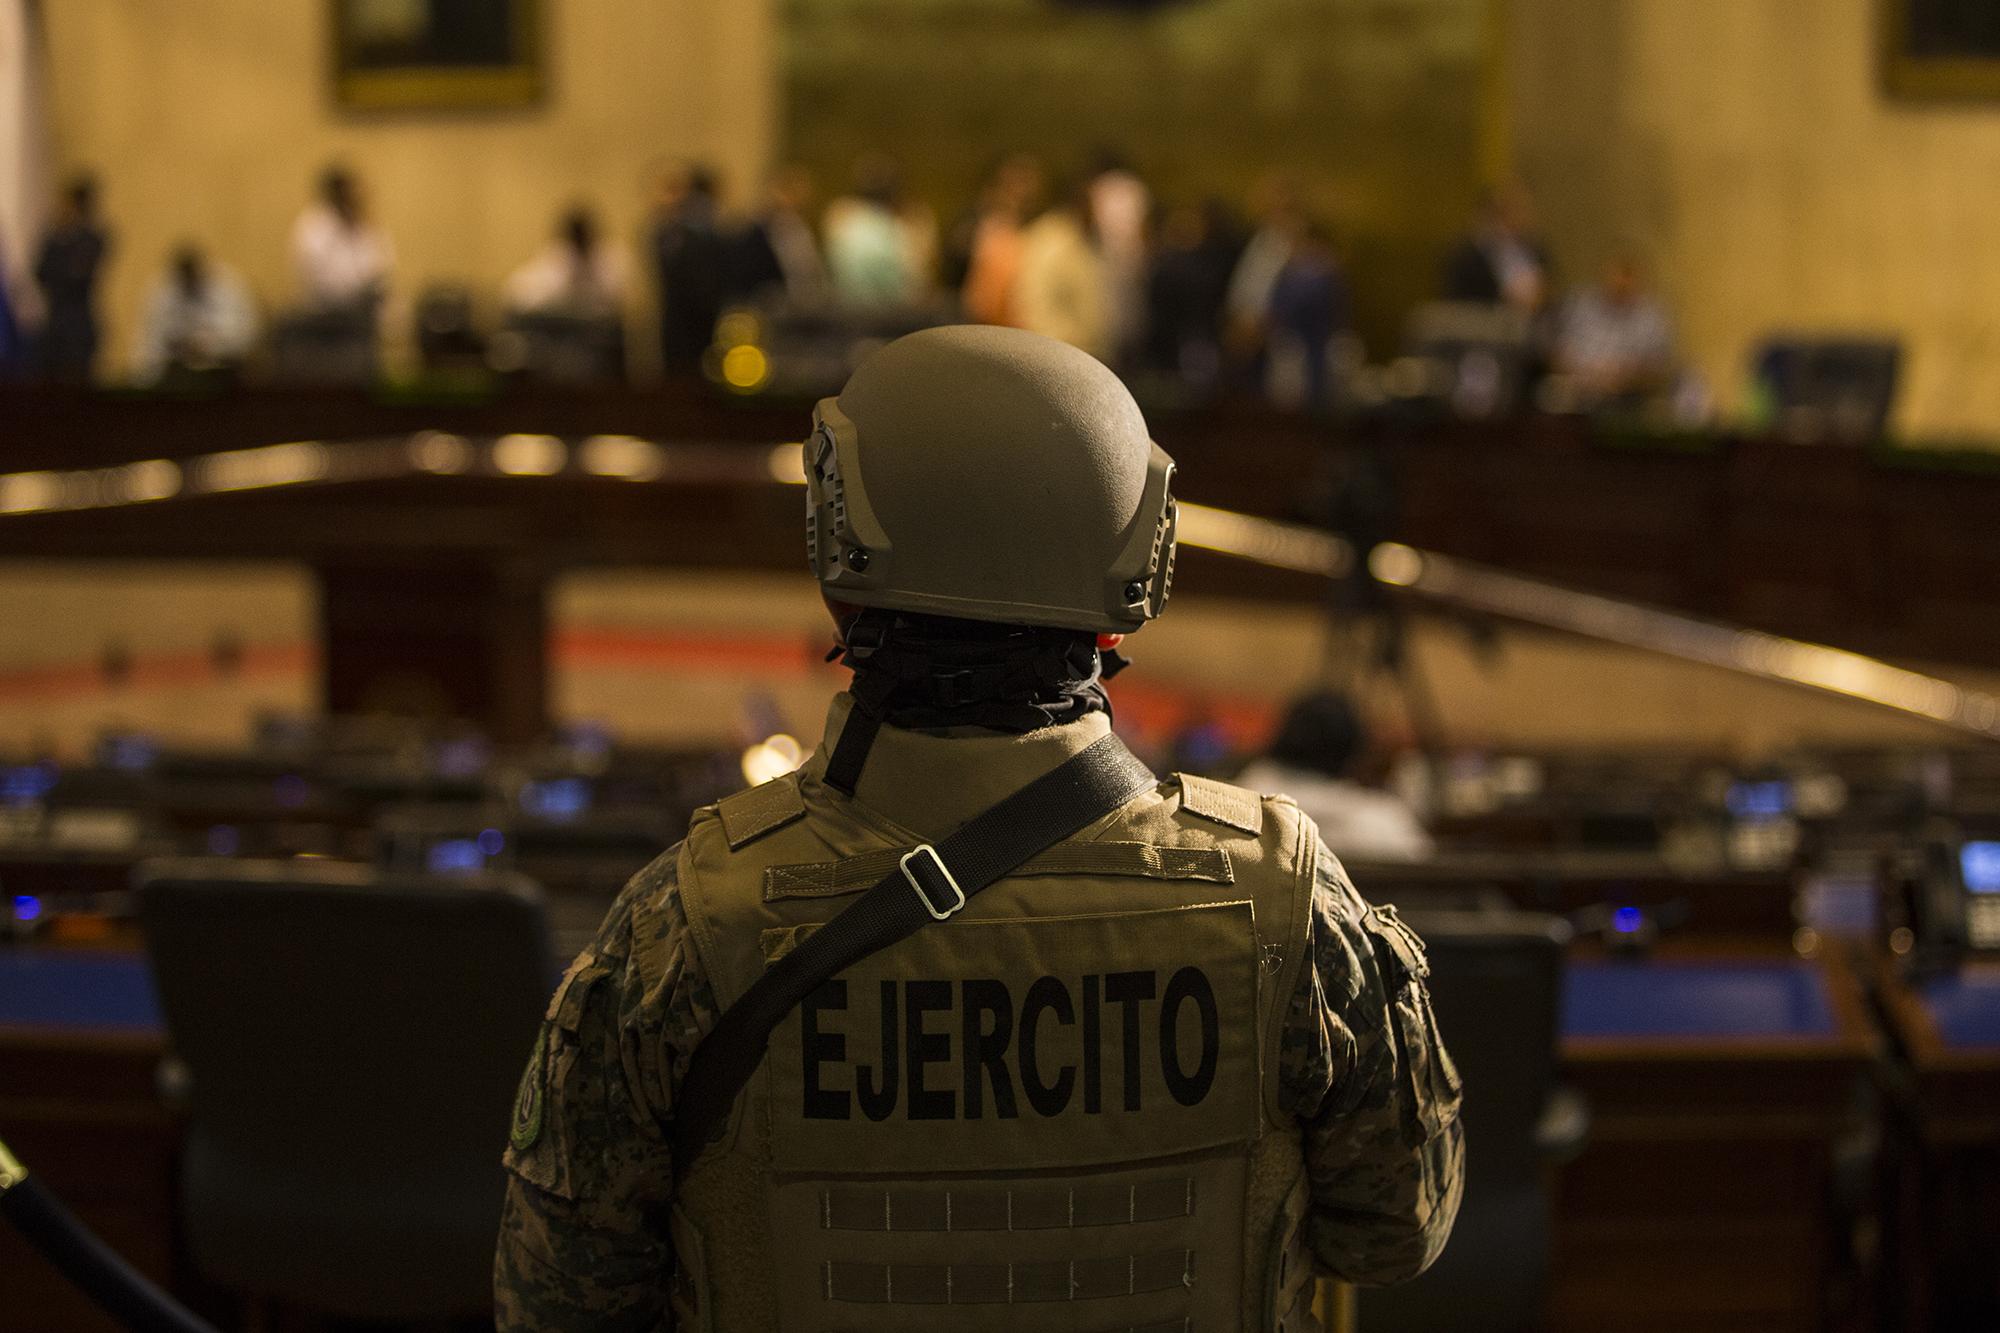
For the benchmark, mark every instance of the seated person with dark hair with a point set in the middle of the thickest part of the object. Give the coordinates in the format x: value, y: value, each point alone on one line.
x: 1501, y: 261
x: 1310, y: 760
x: 574, y: 274
x: 1615, y: 339
x: 199, y: 319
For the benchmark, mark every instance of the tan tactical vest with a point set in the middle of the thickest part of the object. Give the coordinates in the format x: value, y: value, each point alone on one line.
x: 1053, y: 1111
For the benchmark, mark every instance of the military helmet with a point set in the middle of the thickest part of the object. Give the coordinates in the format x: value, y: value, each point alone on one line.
x: 990, y: 474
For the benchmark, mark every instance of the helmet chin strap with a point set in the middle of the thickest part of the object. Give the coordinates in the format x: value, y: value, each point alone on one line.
x: 933, y: 672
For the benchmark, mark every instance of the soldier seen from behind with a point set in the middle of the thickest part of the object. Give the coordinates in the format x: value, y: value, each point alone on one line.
x: 1164, y: 1071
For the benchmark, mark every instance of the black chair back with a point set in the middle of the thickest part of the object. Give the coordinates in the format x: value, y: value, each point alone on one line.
x: 1837, y: 389
x: 1496, y: 984
x: 354, y: 1043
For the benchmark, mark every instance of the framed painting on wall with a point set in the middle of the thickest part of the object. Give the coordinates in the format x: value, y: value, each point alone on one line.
x: 395, y: 54
x: 1941, y: 49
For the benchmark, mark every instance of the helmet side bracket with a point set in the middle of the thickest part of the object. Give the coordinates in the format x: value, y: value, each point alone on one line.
x: 1145, y: 565
x: 848, y: 546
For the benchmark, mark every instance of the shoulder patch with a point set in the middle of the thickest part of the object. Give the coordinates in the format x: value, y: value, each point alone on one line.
x: 529, y: 1097
x: 1238, y: 807
x: 749, y: 815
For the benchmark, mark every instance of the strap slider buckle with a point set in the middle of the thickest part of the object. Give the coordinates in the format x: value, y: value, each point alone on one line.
x: 930, y: 896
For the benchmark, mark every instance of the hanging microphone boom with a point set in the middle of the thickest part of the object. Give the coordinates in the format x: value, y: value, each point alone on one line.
x: 117, y: 1288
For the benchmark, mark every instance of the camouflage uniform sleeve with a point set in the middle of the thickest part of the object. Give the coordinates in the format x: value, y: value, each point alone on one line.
x: 583, y: 1235
x: 1375, y: 1093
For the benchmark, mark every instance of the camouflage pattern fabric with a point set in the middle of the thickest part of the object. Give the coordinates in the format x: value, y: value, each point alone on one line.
x: 583, y: 1239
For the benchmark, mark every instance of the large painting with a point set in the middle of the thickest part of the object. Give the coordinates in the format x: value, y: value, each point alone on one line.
x: 437, y: 53
x: 1941, y: 48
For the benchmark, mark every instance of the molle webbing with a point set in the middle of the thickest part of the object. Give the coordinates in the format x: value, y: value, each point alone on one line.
x: 987, y: 1207
x: 1023, y: 1283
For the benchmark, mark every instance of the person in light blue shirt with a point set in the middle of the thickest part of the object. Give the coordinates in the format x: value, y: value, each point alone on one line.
x: 199, y: 319
x: 875, y: 250
x: 1616, y: 340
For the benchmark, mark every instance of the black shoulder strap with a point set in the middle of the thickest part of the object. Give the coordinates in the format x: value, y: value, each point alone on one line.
x: 931, y: 884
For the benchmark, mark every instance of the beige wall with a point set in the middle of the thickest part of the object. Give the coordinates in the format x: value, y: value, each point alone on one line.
x: 209, y: 119
x: 1746, y: 145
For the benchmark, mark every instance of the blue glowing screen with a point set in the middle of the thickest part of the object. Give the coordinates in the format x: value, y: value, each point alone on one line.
x: 557, y: 798
x: 454, y: 856
x: 26, y: 907
x: 26, y: 784
x: 1979, y: 862
x: 132, y: 752
x: 462, y: 758
x: 1626, y: 920
x: 1759, y: 800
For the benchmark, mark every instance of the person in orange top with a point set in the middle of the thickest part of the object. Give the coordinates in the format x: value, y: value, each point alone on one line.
x: 1010, y: 199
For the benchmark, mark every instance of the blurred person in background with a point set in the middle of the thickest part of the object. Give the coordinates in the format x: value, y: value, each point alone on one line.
x: 1502, y: 260
x: 13, y: 347
x: 1120, y: 207
x: 1319, y: 745
x: 199, y: 320
x: 1309, y: 308
x: 879, y: 250
x: 343, y: 260
x: 691, y: 262
x: 574, y: 274
x: 993, y: 267
x: 1186, y: 286
x: 777, y: 252
x: 1279, y: 222
x: 1062, y: 290
x: 1615, y: 340
x: 67, y: 268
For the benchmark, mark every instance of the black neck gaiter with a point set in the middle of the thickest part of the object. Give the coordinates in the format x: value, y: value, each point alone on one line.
x: 930, y: 672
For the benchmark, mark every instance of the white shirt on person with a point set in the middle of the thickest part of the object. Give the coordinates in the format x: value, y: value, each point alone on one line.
x: 1604, y: 337
x: 215, y: 324
x: 339, y: 263
x: 1256, y: 275
x: 1355, y: 822
x: 559, y: 281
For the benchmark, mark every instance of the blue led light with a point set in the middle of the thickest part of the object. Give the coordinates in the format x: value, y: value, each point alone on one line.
x: 1204, y: 747
x: 557, y: 799
x: 462, y: 758
x: 27, y: 907
x: 1979, y: 862
x: 588, y: 739
x: 491, y: 841
x: 27, y: 784
x: 131, y: 752
x: 454, y: 856
x: 1627, y: 920
x: 1759, y: 800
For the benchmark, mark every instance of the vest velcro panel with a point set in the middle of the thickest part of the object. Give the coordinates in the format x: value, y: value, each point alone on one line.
x: 984, y: 1088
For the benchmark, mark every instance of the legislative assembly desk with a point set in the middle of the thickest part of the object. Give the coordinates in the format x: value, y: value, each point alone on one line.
x: 1878, y: 550
x: 1719, y: 1087
x: 80, y: 1053
x: 1945, y: 1191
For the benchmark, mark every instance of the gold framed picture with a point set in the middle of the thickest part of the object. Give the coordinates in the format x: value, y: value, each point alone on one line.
x: 1941, y: 49
x: 402, y: 54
